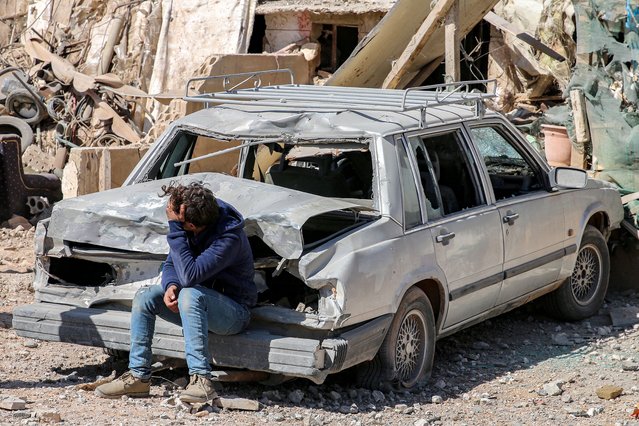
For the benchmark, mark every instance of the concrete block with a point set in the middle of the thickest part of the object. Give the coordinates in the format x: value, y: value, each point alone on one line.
x: 96, y: 169
x: 238, y: 404
x: 12, y: 403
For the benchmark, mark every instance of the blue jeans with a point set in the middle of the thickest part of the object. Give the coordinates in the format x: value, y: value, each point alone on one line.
x: 202, y: 310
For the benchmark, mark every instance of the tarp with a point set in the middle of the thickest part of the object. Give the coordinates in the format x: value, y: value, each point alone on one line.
x: 606, y: 30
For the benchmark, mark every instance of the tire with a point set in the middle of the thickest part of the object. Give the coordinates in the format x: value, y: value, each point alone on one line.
x: 405, y: 358
x: 582, y: 294
x: 16, y: 126
x: 21, y: 103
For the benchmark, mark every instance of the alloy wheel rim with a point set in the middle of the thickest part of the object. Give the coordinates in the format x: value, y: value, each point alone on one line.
x: 410, y: 349
x: 586, y: 276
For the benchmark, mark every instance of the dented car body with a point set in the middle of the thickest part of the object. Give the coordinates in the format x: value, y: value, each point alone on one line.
x: 375, y: 230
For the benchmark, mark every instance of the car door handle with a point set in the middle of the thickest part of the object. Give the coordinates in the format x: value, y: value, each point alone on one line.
x: 444, y: 237
x: 510, y: 217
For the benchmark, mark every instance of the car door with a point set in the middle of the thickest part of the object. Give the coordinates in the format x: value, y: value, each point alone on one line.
x: 532, y: 218
x: 465, y: 228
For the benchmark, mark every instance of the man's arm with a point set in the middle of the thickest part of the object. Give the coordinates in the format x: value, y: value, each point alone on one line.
x: 169, y: 275
x: 192, y: 270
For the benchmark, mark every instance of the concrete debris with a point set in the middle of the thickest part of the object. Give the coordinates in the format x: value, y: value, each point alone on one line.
x: 623, y: 317
x: 553, y: 388
x: 12, y: 403
x: 238, y: 404
x: 561, y: 339
x: 609, y: 392
x: 48, y: 416
x: 296, y: 396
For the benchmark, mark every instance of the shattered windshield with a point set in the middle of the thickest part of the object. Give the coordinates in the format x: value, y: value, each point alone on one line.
x: 329, y: 168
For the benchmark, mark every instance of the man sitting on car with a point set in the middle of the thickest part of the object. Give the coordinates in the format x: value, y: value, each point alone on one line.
x: 207, y: 286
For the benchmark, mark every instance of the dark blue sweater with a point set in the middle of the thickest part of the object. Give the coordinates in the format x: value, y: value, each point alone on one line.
x: 219, y: 257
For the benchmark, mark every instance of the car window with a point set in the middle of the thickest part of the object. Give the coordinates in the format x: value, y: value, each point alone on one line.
x: 187, y: 145
x: 410, y: 197
x: 337, y: 169
x: 511, y: 173
x: 446, y: 174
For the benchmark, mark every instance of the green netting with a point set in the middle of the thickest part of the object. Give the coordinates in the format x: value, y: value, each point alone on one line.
x: 594, y: 36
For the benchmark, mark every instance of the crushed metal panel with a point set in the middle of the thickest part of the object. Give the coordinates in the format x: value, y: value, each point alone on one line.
x: 133, y: 217
x: 372, y: 59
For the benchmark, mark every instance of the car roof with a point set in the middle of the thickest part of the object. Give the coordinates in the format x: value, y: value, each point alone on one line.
x: 315, y: 112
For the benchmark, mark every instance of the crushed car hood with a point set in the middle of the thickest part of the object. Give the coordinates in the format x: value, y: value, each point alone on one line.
x: 133, y: 218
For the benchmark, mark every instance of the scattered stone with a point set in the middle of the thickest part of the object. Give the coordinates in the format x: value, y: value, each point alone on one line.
x: 553, y: 389
x: 49, y: 416
x: 436, y: 399
x: 277, y: 417
x: 30, y: 343
x: 623, y: 317
x: 408, y: 410
x: 481, y: 345
x: 202, y: 413
x: 593, y: 411
x: 238, y: 404
x: 609, y: 392
x: 181, y: 382
x: 440, y: 384
x: 273, y: 395
x: 12, y: 403
x: 352, y: 393
x: 561, y: 339
x: 378, y: 396
x: 16, y: 222
x: 567, y: 398
x: 604, y: 331
x: 344, y: 409
x: 421, y: 422
x: 296, y: 396
x: 335, y: 396
x: 577, y: 412
x: 314, y: 420
x: 630, y: 366
x: 400, y: 407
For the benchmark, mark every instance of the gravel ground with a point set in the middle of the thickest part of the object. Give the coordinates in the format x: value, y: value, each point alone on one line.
x: 519, y: 368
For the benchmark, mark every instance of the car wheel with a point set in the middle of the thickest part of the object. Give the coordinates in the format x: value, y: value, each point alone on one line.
x: 405, y: 358
x: 582, y: 294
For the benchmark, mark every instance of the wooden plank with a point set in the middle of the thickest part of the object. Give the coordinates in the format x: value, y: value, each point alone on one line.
x: 417, y: 43
x: 452, y: 40
x: 582, y: 132
x: 373, y: 58
x: 425, y: 73
x: 502, y: 24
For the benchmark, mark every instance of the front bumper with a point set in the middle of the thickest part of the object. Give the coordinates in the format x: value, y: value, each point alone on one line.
x: 253, y: 349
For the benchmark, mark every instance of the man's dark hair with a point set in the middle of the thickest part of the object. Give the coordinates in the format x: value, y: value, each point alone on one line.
x: 201, y: 206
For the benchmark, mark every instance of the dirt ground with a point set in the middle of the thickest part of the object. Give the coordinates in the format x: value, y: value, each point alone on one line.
x: 519, y: 368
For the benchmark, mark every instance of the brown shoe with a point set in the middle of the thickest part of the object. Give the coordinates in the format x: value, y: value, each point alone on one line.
x: 199, y: 389
x: 127, y: 384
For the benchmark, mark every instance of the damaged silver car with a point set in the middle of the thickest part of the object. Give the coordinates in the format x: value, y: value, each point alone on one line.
x: 380, y: 221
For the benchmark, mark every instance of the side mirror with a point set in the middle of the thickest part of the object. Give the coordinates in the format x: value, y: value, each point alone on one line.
x: 567, y: 177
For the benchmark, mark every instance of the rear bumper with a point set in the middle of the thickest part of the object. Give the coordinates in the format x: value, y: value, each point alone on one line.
x: 253, y: 349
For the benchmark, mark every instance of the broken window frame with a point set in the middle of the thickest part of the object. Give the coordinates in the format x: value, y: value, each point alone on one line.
x: 518, y: 145
x: 473, y: 168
